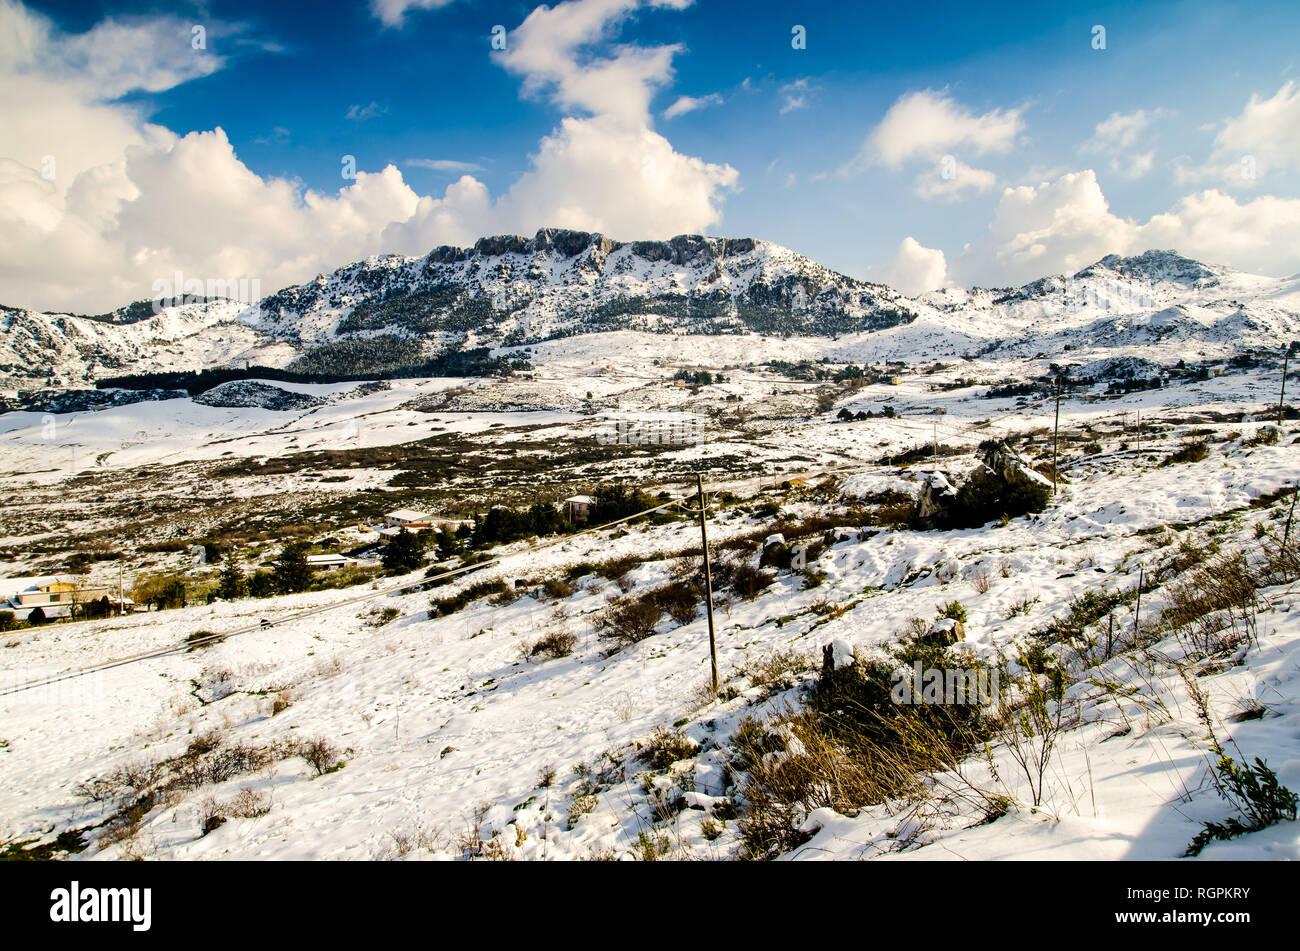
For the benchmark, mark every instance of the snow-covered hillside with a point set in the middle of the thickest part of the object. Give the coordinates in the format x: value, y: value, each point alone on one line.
x: 511, y: 292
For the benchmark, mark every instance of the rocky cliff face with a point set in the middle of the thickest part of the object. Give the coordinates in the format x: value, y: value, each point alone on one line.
x: 511, y: 289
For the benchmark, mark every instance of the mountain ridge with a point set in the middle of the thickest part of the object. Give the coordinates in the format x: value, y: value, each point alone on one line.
x: 513, y: 291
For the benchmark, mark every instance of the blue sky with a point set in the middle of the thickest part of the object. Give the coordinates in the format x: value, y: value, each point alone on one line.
x: 994, y: 136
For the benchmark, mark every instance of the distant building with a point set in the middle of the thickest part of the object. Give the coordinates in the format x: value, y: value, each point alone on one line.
x: 577, y: 508
x: 406, y: 517
x: 56, y: 599
x: 330, y: 562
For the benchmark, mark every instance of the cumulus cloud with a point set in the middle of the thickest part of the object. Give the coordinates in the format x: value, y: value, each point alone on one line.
x: 930, y: 126
x: 914, y: 269
x: 552, y: 51
x: 926, y: 124
x: 1064, y: 225
x: 97, y: 203
x: 1265, y: 137
x: 950, y: 179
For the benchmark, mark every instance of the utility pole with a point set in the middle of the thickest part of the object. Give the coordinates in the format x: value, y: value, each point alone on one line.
x: 1056, y: 433
x: 1286, y: 532
x: 936, y: 444
x: 1281, y: 400
x: 121, y: 600
x: 708, y: 584
x: 1137, y: 609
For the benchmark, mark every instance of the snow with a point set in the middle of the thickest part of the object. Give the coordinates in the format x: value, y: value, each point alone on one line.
x: 434, y: 715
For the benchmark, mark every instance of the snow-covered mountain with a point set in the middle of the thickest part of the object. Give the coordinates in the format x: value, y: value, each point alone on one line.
x: 561, y: 283
x: 511, y: 291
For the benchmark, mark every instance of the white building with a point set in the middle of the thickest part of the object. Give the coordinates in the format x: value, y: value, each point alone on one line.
x: 330, y: 562
x: 407, y: 517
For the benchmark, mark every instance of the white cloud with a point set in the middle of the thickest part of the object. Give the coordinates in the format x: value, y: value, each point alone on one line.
x: 551, y: 50
x: 794, y: 95
x: 444, y: 165
x: 129, y: 202
x: 1261, y: 235
x: 1064, y: 225
x: 359, y: 113
x: 927, y: 124
x: 393, y: 12
x: 950, y: 179
x: 685, y: 104
x: 913, y: 270
x: 1118, y: 138
x: 1265, y: 137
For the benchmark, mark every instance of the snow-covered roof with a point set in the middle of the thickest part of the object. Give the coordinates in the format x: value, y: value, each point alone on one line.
x: 581, y: 499
x: 408, y: 515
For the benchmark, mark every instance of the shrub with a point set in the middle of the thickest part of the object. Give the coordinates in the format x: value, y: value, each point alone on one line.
x: 554, y: 644
x: 557, y: 588
x: 778, y: 670
x: 1265, y: 436
x: 1260, y: 801
x: 320, y: 754
x: 981, y: 501
x: 1088, y: 608
x: 441, y: 607
x: 616, y: 569
x: 953, y: 609
x: 666, y: 747
x: 203, y: 639
x: 633, y: 619
x: 748, y: 581
x: 1188, y: 452
x: 1214, y: 606
x: 681, y: 600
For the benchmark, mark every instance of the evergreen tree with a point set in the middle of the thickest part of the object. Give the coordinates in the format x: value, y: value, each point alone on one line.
x: 291, y: 572
x: 404, y: 552
x: 231, y: 584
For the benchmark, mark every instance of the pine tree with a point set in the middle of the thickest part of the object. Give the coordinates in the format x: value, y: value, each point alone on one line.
x: 404, y: 552
x: 292, y: 573
x: 231, y: 584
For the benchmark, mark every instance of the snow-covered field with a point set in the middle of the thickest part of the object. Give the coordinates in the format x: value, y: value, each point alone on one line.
x: 369, y: 722
x: 441, y: 720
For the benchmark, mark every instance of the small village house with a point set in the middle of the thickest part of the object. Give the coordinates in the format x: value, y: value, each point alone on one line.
x: 577, y: 508
x: 58, y: 599
x: 406, y: 518
x: 330, y: 562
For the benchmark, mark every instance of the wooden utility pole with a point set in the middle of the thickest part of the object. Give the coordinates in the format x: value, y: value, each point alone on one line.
x: 708, y: 584
x: 1286, y: 532
x: 1137, y: 609
x: 1056, y: 433
x: 1281, y: 400
x: 121, y: 599
x: 936, y: 444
